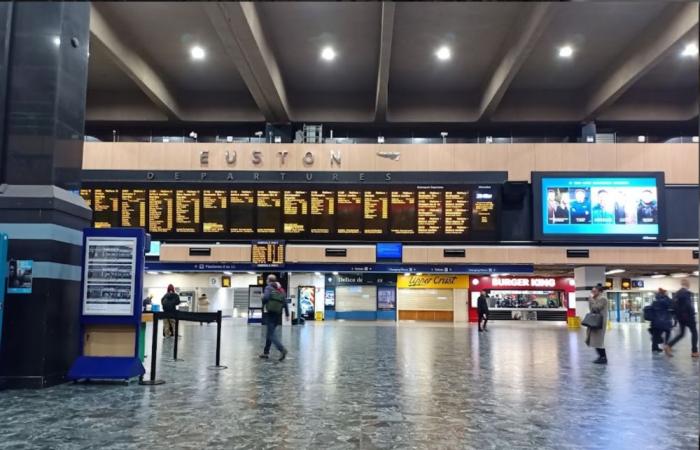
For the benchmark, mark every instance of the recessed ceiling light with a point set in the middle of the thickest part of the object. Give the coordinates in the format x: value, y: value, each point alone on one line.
x: 328, y: 53
x: 444, y: 53
x: 57, y: 41
x: 690, y: 50
x: 566, y: 51
x: 696, y: 273
x: 614, y: 271
x: 659, y: 275
x: 197, y: 52
x: 226, y: 272
x: 679, y: 275
x: 407, y: 274
x: 335, y: 273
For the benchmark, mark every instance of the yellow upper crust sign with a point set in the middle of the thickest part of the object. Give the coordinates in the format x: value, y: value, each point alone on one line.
x: 433, y: 281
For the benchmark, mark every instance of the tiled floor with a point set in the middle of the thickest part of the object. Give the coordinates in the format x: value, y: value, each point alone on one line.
x: 350, y: 385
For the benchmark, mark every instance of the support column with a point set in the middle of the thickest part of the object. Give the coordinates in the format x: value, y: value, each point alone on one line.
x: 44, y: 60
x: 586, y: 278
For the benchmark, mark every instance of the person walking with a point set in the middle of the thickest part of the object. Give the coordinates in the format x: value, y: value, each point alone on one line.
x: 659, y: 314
x: 595, y: 337
x: 203, y: 305
x: 170, y: 301
x: 685, y: 315
x: 482, y: 308
x: 274, y: 302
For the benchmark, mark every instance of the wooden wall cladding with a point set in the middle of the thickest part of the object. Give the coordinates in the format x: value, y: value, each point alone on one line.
x: 109, y: 340
x: 434, y: 316
x: 678, y: 161
x: 219, y: 253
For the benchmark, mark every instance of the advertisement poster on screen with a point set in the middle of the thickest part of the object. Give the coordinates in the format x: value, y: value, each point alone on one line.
x: 386, y: 298
x: 19, y: 279
x: 307, y: 301
x: 109, y: 276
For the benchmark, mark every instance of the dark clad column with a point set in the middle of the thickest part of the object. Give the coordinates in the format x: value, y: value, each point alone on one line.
x: 44, y: 107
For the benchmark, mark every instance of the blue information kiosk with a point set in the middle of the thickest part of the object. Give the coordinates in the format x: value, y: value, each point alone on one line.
x: 111, y: 304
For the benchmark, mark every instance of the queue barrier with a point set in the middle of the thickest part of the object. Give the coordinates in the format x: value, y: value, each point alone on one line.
x: 188, y: 317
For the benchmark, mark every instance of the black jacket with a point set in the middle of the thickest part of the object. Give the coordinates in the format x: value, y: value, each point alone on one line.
x: 482, y: 305
x: 170, y: 301
x: 662, y: 313
x: 683, y: 305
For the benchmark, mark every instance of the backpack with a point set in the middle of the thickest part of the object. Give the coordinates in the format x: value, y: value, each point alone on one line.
x: 276, y: 302
x: 649, y: 313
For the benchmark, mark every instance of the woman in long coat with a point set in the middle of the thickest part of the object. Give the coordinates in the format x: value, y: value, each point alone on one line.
x: 598, y: 303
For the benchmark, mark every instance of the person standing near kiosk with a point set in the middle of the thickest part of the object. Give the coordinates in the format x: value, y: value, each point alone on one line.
x: 482, y: 307
x: 274, y: 302
x: 170, y: 301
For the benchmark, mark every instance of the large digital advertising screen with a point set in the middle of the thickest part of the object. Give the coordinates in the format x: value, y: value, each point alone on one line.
x: 594, y: 206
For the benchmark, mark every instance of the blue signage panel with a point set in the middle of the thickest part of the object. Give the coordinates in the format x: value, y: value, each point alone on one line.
x: 389, y: 251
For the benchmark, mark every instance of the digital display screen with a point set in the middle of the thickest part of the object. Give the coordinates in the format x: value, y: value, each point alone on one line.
x: 376, y: 212
x: 241, y: 211
x: 372, y: 212
x: 86, y: 194
x: 322, y: 212
x: 214, y: 210
x: 133, y: 209
x: 269, y: 212
x: 106, y: 208
x: 457, y: 212
x: 161, y: 210
x: 430, y: 212
x: 389, y: 251
x: 616, y: 205
x: 349, y: 212
x: 296, y: 212
x: 267, y: 253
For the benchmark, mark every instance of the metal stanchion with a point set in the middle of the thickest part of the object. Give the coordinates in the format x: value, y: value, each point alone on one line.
x: 218, y: 366
x: 177, y: 330
x: 154, y: 352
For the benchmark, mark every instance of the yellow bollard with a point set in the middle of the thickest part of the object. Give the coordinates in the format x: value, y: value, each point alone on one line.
x: 609, y: 325
x: 573, y: 323
x: 319, y: 315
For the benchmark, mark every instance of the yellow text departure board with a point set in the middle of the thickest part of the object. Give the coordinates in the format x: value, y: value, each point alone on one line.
x: 348, y: 215
x: 241, y: 211
x: 269, y: 211
x: 430, y: 212
x: 322, y: 213
x: 133, y: 208
x: 106, y: 208
x: 403, y: 212
x: 161, y: 210
x: 376, y: 212
x: 296, y: 211
x: 187, y: 213
x: 457, y: 212
x: 214, y: 210
x: 267, y: 253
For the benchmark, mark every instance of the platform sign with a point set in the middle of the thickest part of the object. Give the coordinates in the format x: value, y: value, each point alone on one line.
x: 108, y: 278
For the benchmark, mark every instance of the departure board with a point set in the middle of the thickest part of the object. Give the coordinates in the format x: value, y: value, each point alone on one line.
x: 161, y: 210
x: 241, y: 211
x: 106, y: 208
x: 187, y: 211
x: 484, y: 209
x: 322, y: 212
x: 430, y: 212
x: 267, y: 253
x: 403, y: 213
x: 457, y: 212
x: 296, y: 212
x: 133, y: 208
x: 214, y: 210
x: 376, y: 212
x: 86, y: 194
x: 348, y: 216
x: 269, y: 211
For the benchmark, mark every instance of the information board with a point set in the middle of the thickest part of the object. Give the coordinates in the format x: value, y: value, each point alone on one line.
x: 86, y: 194
x: 109, y: 276
x: 296, y: 212
x: 373, y: 212
x: 269, y: 211
x: 348, y: 218
x: 106, y: 208
x: 322, y: 213
x: 214, y: 210
x: 267, y: 253
x: 133, y: 208
x: 242, y: 211
x: 161, y: 204
x: 376, y: 212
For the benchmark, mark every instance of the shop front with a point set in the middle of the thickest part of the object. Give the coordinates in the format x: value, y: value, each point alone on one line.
x: 432, y: 297
x: 524, y: 298
x: 628, y: 297
x: 360, y: 296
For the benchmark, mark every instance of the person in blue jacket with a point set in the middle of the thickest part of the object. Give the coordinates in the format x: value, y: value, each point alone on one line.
x: 661, y: 320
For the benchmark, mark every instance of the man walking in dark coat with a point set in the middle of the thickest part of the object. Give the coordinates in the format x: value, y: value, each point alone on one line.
x: 685, y: 314
x: 482, y: 308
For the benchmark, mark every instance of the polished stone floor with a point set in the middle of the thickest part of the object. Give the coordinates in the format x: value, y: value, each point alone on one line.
x: 373, y: 385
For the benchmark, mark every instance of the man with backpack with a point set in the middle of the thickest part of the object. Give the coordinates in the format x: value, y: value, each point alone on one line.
x: 274, y: 302
x: 685, y: 314
x: 659, y: 316
x: 170, y: 301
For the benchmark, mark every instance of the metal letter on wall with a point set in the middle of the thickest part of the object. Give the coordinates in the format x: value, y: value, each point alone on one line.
x: 257, y: 157
x: 308, y: 159
x: 231, y: 157
x: 335, y: 158
x: 283, y: 156
x: 204, y: 157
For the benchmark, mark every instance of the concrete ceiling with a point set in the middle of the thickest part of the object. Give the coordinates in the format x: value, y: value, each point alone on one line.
x: 263, y: 62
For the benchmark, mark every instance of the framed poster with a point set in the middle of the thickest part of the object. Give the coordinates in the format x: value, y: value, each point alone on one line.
x: 386, y: 298
x: 109, y: 275
x: 19, y: 279
x: 307, y: 302
x: 255, y: 295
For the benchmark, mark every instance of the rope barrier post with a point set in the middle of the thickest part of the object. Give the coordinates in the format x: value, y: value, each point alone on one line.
x: 154, y: 352
x: 177, y: 331
x: 218, y: 343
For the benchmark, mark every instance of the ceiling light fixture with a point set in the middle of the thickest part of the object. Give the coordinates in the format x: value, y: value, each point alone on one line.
x: 696, y: 273
x: 328, y: 53
x: 690, y: 50
x: 658, y: 275
x: 226, y: 272
x: 57, y: 41
x: 197, y: 53
x: 444, y: 53
x: 566, y: 51
x: 679, y: 275
x: 335, y: 273
x: 614, y: 271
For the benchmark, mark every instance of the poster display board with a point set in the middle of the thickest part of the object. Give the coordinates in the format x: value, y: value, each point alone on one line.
x: 108, y: 278
x: 20, y: 276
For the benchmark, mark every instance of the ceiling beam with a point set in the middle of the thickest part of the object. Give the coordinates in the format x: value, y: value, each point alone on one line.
x: 678, y: 22
x: 133, y: 64
x: 387, y: 35
x: 518, y: 48
x: 240, y: 30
